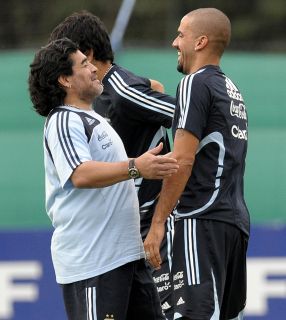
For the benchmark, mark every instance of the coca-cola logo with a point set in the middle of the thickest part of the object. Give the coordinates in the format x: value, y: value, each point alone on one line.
x: 238, y: 111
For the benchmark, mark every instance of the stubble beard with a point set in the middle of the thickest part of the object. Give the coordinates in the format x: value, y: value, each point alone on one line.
x: 90, y: 94
x: 180, y: 68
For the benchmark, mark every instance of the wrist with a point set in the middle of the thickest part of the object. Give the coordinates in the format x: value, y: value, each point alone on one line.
x: 158, y: 219
x: 133, y: 171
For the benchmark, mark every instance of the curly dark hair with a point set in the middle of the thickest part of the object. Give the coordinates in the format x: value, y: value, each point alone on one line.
x: 88, y: 31
x: 49, y: 63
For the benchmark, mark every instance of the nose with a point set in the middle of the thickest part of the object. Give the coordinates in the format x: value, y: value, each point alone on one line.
x: 93, y: 68
x: 174, y: 44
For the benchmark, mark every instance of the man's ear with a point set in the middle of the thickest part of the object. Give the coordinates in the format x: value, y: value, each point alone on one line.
x: 201, y: 42
x: 64, y: 81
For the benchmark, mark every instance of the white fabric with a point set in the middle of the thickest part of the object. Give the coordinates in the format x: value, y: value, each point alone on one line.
x: 96, y: 230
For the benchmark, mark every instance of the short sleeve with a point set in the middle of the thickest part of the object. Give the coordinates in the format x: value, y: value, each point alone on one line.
x: 67, y: 142
x: 194, y: 101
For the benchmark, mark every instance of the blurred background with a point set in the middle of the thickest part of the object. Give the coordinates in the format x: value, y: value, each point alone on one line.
x: 257, y: 24
x: 141, y: 35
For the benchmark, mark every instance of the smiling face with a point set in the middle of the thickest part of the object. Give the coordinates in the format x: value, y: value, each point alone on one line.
x: 185, y: 44
x: 83, y: 83
x: 203, y: 35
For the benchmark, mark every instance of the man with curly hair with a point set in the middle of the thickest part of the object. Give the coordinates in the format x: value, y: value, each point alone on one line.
x: 97, y: 250
x: 139, y: 111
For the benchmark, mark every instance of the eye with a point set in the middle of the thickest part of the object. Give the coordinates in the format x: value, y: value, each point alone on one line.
x: 85, y: 63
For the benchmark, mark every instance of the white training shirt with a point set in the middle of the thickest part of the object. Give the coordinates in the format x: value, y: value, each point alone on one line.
x: 96, y: 230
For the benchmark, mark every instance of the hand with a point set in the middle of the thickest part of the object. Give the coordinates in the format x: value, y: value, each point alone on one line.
x: 154, y: 166
x: 157, y: 86
x: 152, y: 244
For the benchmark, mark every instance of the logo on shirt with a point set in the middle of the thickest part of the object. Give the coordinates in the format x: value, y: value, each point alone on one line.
x: 238, y: 133
x: 109, y: 317
x: 180, y: 301
x: 101, y: 136
x: 90, y: 121
x: 178, y: 279
x: 163, y: 277
x: 238, y: 111
x: 107, y: 145
x: 165, y: 287
x: 166, y: 305
x: 232, y: 90
x: 178, y: 275
x: 163, y: 282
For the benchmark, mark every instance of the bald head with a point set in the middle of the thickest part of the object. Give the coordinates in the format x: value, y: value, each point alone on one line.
x: 212, y: 23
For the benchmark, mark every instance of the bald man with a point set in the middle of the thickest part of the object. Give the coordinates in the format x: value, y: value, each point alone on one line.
x: 210, y: 144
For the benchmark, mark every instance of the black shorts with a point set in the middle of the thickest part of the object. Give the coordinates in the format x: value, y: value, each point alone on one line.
x: 125, y: 293
x: 162, y: 277
x: 209, y: 270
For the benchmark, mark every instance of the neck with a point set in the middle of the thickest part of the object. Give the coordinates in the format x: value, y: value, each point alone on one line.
x: 78, y: 104
x: 204, y: 61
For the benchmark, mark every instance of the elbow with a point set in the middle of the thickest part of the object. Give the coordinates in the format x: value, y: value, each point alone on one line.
x: 81, y: 177
x: 186, y: 164
x: 80, y: 182
x: 185, y: 159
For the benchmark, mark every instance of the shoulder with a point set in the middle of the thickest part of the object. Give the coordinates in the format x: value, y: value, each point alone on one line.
x: 194, y: 81
x: 63, y: 118
x: 202, y: 79
x: 128, y: 77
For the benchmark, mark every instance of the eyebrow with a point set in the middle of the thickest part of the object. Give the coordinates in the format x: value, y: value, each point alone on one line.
x: 84, y: 61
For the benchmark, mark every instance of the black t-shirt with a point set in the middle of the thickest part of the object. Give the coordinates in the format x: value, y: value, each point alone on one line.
x: 140, y: 116
x: 211, y: 107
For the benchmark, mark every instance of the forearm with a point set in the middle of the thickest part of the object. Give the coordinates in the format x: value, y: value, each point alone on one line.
x: 185, y: 146
x: 94, y: 174
x: 171, y: 191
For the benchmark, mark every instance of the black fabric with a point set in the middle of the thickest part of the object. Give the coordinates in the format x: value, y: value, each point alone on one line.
x: 136, y: 118
x: 221, y: 251
x: 211, y: 107
x: 162, y: 277
x: 131, y: 115
x: 137, y: 113
x: 140, y: 116
x: 125, y: 293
